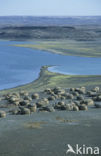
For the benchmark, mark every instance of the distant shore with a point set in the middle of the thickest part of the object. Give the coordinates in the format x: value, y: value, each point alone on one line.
x: 66, y: 47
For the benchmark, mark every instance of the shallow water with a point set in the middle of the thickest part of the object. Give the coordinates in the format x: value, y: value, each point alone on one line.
x: 19, y: 65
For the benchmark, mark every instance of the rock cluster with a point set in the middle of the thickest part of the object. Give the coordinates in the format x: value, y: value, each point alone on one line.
x: 51, y: 100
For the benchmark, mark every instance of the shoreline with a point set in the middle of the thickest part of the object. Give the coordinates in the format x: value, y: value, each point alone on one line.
x: 21, y: 86
x: 49, y: 79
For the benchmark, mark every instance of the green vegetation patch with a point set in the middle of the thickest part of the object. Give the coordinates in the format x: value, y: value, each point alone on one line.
x: 68, y: 47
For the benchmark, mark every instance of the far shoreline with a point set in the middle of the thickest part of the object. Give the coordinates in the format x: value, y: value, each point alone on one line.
x: 63, y: 47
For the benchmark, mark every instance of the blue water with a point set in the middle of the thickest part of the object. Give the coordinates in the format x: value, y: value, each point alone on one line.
x: 19, y: 66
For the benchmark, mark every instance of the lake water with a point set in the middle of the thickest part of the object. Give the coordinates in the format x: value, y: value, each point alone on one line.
x: 19, y: 66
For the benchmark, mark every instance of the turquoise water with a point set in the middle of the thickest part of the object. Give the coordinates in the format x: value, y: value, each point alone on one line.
x: 19, y: 66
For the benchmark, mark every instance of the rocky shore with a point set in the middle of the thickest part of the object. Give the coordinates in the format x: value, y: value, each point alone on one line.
x: 50, y: 100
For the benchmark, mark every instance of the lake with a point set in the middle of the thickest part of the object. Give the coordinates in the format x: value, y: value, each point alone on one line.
x: 19, y: 65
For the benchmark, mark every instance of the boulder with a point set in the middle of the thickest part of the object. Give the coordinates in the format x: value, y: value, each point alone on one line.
x: 69, y: 107
x: 47, y: 109
x: 98, y: 98
x: 50, y: 98
x: 75, y: 93
x: 72, y: 89
x: 56, y: 96
x: 80, y: 97
x: 32, y: 107
x: 81, y: 90
x: 59, y: 96
x: 88, y: 102
x: 25, y: 111
x: 83, y: 107
x: 27, y: 98
x: 96, y: 89
x: 77, y: 103
x: 98, y: 105
x: 75, y: 108
x: 63, y: 97
x: 24, y: 103
x: 2, y: 114
x: 42, y: 103
x: 7, y: 96
x: 91, y: 94
x: 69, y: 96
x: 61, y: 103
x: 48, y: 90
x: 23, y: 93
x: 15, y: 111
x: 35, y: 96
x: 57, y: 106
x: 13, y: 99
x: 16, y: 95
x: 58, y: 90
x: 16, y: 103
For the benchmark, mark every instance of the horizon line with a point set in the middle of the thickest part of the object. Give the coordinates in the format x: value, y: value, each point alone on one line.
x: 50, y: 15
